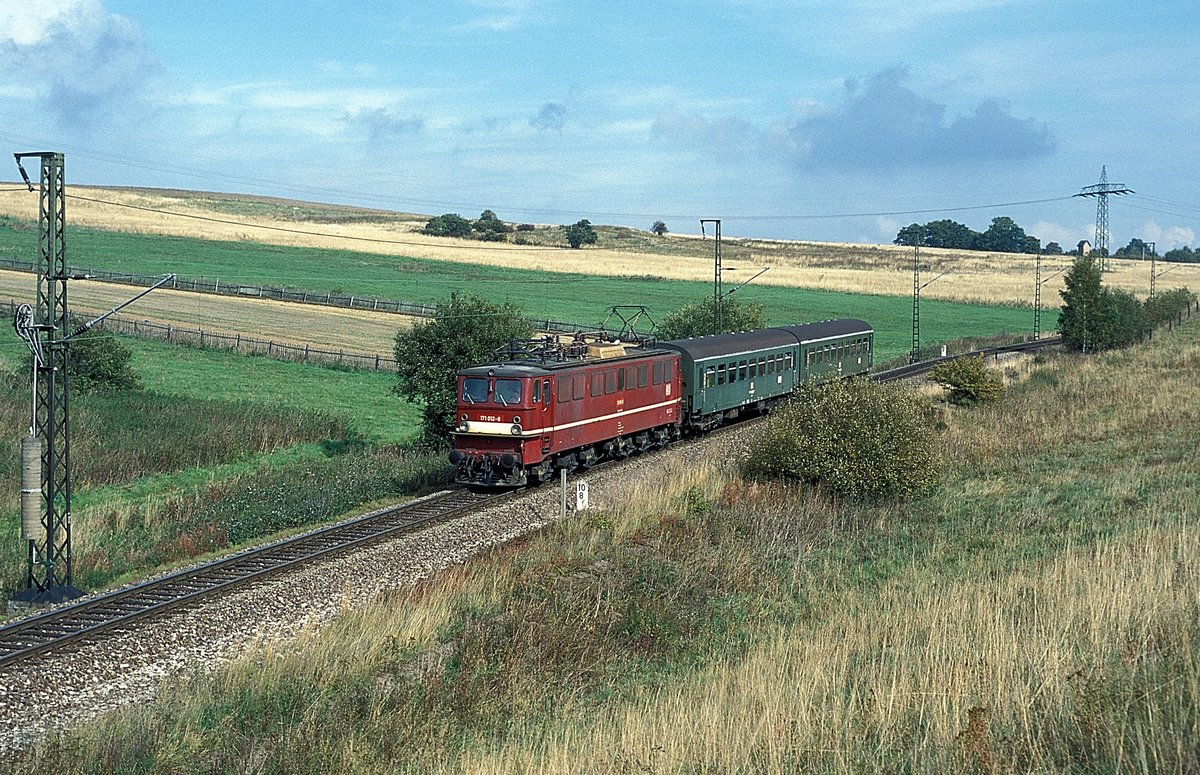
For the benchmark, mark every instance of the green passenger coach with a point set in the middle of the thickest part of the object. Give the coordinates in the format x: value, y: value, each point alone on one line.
x: 727, y: 374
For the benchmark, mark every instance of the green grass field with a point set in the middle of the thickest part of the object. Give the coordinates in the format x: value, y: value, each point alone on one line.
x: 574, y: 298
x: 363, y: 397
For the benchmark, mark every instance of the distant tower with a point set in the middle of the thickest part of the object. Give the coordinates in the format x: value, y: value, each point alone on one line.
x: 1101, y: 191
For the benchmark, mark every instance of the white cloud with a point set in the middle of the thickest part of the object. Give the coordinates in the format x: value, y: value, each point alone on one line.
x: 1169, y: 238
x: 79, y: 59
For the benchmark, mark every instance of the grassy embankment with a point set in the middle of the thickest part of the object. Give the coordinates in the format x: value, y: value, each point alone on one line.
x: 1039, y: 612
x: 572, y: 297
x: 218, y: 450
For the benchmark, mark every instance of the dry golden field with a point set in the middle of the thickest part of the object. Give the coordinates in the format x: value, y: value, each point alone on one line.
x: 331, y: 328
x: 856, y: 268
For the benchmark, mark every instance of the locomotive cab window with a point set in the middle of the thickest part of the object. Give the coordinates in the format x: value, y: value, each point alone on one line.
x: 537, y: 392
x: 508, y: 391
x: 475, y: 390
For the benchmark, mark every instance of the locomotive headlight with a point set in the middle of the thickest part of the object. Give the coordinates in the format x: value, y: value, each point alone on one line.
x: 516, y: 429
x: 517, y: 419
x: 464, y: 426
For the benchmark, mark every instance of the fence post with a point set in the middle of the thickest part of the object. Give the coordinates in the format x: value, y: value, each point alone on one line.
x: 168, y: 333
x: 270, y: 344
x: 376, y: 361
x: 201, y: 330
x: 306, y: 351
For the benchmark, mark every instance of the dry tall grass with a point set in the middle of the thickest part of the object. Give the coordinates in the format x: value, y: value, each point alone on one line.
x: 924, y: 678
x: 874, y: 269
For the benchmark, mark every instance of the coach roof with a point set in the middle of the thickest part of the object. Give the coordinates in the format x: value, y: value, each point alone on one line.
x: 767, y: 338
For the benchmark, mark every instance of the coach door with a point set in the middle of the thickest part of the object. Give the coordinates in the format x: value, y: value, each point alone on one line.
x: 546, y: 417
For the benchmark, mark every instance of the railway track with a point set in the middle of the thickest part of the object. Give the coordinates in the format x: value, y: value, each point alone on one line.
x: 917, y: 369
x: 91, y: 618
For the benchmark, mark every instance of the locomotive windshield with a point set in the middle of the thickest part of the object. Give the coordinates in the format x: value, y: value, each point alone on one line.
x: 508, y: 391
x: 475, y: 390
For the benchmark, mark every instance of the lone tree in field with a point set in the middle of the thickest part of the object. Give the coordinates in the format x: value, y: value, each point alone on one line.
x: 580, y: 233
x: 467, y: 331
x: 659, y: 228
x: 696, y: 319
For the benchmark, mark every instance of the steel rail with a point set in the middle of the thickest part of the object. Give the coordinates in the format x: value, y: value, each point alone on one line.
x: 91, y: 618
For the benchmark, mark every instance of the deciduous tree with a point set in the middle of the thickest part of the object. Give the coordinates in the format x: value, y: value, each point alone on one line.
x: 696, y: 319
x: 467, y: 330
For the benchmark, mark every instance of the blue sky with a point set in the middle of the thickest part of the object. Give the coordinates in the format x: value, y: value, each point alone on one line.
x: 773, y: 116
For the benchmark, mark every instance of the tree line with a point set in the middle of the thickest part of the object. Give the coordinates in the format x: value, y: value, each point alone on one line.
x: 1005, y: 236
x: 489, y: 228
x: 1002, y: 236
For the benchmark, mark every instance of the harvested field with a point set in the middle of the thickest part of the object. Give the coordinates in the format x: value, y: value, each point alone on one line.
x: 331, y: 328
x: 875, y: 269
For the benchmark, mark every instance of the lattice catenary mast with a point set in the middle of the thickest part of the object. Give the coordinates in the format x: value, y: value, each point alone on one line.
x: 1101, y: 192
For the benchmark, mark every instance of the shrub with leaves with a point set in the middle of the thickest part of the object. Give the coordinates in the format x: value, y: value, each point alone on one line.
x: 968, y: 379
x: 860, y: 440
x: 696, y: 319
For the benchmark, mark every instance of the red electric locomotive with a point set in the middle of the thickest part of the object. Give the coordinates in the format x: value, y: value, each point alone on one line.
x: 518, y: 421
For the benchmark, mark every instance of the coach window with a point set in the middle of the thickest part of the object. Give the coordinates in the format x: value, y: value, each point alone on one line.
x: 610, y: 381
x: 597, y: 383
x: 643, y: 375
x: 762, y: 366
x: 743, y: 371
x: 787, y: 362
x: 578, y: 386
x: 656, y: 375
x: 721, y: 374
x: 564, y: 389
x: 710, y: 377
x: 753, y: 369
x: 475, y: 390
